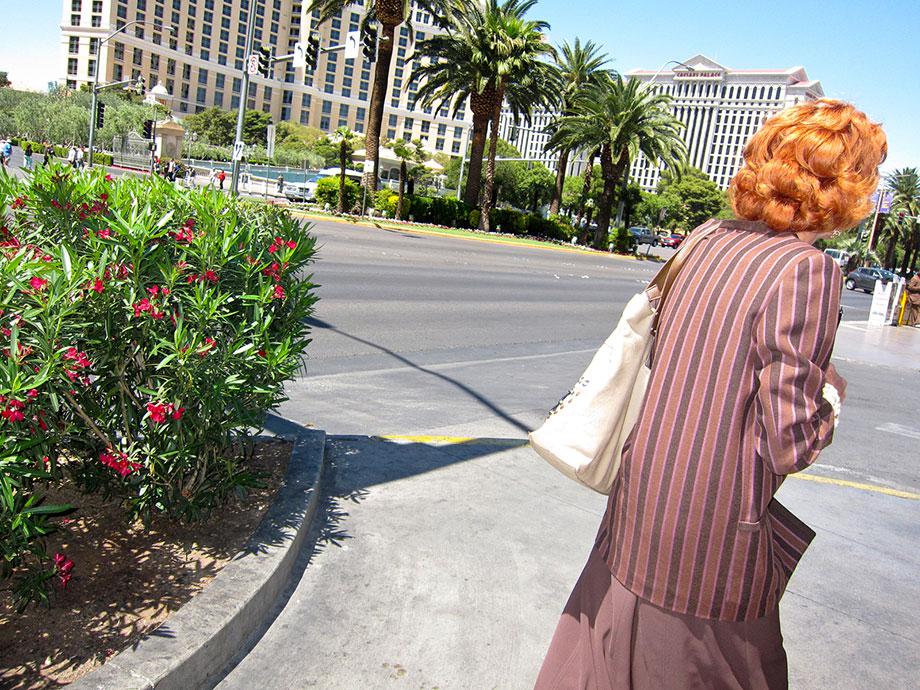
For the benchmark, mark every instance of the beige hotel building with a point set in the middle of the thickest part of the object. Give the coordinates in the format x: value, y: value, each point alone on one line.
x: 200, y: 64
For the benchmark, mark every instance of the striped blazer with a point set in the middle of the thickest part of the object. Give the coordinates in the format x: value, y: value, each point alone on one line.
x: 733, y: 405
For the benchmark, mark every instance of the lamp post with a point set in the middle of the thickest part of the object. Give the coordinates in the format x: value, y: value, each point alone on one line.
x: 157, y: 91
x: 92, y: 107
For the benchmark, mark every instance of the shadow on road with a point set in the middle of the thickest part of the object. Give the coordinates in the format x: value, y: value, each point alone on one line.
x: 478, y: 397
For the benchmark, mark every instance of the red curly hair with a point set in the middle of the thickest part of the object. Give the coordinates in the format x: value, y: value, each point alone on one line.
x: 810, y: 168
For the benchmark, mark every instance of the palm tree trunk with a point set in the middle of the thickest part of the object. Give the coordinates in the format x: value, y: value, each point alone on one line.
x: 560, y: 182
x: 402, y: 187
x: 586, y: 187
x: 342, y: 156
x: 487, y: 201
x: 378, y: 97
x: 612, y: 172
x: 477, y: 151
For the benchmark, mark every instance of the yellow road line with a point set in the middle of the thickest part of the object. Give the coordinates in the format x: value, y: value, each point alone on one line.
x: 450, y: 235
x: 857, y: 485
x: 515, y: 443
x: 457, y: 440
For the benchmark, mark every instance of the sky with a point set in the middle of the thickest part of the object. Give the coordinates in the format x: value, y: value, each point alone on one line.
x: 864, y: 52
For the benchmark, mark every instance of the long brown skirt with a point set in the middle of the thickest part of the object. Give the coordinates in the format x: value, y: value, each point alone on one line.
x: 609, y: 639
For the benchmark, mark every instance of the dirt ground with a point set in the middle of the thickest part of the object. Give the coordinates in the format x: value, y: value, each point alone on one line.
x: 126, y: 579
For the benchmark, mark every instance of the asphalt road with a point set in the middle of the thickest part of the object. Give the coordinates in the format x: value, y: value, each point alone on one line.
x: 416, y: 334
x: 443, y: 563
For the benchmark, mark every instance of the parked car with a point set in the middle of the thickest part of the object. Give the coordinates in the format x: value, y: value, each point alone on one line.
x: 301, y: 191
x: 840, y: 256
x: 673, y: 240
x: 644, y: 236
x: 866, y: 278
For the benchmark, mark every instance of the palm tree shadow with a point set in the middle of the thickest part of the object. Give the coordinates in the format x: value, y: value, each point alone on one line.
x: 478, y: 397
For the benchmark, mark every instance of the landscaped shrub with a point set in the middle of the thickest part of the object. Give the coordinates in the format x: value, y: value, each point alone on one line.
x: 474, y: 217
x: 327, y: 193
x: 623, y: 242
x: 145, y: 331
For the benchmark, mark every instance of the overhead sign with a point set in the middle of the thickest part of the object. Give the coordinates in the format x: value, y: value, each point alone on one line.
x: 238, y: 149
x: 252, y: 64
x: 300, y: 56
x: 352, y: 45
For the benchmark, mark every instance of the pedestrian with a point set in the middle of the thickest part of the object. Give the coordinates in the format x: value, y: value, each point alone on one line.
x: 6, y: 152
x: 280, y: 184
x: 48, y: 151
x: 912, y: 313
x: 72, y: 156
x: 682, y: 586
x: 81, y: 158
x: 221, y: 176
x: 171, y: 170
x: 27, y: 156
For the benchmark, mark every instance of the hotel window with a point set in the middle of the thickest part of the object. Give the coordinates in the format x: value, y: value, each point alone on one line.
x: 91, y: 68
x: 138, y: 57
x: 116, y: 72
x: 219, y: 99
x: 305, y: 101
x: 74, y: 45
x: 186, y: 71
x: 76, y: 5
x: 75, y: 19
x: 201, y: 95
x: 455, y: 147
x: 154, y: 62
x: 202, y: 76
x: 324, y: 123
x: 304, y: 117
x: 343, y: 110
x: 391, y: 134
x: 442, y: 130
x: 170, y: 66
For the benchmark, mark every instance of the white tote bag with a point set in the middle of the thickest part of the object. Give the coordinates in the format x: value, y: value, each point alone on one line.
x: 583, y: 435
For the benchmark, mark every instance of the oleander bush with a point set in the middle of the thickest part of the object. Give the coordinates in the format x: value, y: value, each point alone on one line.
x: 146, y: 330
x: 327, y: 193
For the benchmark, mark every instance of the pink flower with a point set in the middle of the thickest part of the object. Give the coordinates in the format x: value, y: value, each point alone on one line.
x: 63, y: 567
x: 105, y: 233
x: 80, y: 359
x: 209, y: 344
x: 108, y: 178
x: 38, y: 283
x: 119, y: 462
x: 177, y: 413
x: 32, y: 394
x: 154, y: 291
x: 141, y: 307
x: 210, y: 276
x: 18, y: 202
x: 98, y: 286
x: 279, y: 292
x: 291, y: 244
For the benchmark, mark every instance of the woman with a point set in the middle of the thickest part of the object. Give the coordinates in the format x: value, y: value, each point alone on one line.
x: 27, y: 156
x: 912, y: 313
x: 682, y: 587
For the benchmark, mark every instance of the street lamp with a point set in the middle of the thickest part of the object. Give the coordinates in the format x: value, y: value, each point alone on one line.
x: 157, y: 92
x: 92, y: 107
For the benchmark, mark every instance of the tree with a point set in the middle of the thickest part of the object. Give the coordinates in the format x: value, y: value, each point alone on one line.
x: 390, y: 14
x: 345, y: 138
x: 621, y: 119
x: 489, y: 54
x: 691, y: 200
x: 4, y: 80
x: 579, y: 65
x: 407, y: 152
x: 902, y: 226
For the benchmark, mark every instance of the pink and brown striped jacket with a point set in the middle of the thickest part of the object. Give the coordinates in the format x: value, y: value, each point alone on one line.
x: 733, y: 405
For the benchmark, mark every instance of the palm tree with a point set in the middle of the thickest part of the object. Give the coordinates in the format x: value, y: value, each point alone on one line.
x: 345, y: 139
x: 464, y: 65
x: 405, y: 151
x: 580, y: 65
x: 622, y: 119
x: 390, y: 14
x: 519, y: 73
x: 902, y: 225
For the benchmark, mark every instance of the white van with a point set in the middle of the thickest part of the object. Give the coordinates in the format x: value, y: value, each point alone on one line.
x: 840, y: 256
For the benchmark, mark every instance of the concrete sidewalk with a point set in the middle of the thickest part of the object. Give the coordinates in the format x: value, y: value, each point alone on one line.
x: 887, y: 346
x: 446, y: 564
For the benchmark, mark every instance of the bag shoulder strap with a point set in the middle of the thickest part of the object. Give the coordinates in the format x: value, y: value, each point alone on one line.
x: 661, y: 284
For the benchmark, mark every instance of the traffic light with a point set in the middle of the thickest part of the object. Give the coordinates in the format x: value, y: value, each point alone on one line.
x: 369, y: 42
x: 265, y: 61
x: 148, y: 129
x: 100, y: 115
x: 312, y: 55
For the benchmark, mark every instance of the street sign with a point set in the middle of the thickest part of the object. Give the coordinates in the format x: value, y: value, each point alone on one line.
x: 270, y: 141
x: 300, y: 56
x: 238, y: 148
x: 352, y: 45
x: 252, y: 64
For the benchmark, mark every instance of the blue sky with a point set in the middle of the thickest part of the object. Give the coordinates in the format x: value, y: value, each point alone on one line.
x: 867, y: 53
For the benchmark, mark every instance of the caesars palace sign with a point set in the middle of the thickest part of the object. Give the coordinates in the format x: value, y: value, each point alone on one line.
x: 698, y: 74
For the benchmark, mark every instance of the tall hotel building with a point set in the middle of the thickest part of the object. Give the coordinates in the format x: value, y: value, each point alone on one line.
x: 200, y: 64
x: 720, y: 107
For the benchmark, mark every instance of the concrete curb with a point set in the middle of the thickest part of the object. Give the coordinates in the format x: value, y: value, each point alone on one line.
x: 199, y: 640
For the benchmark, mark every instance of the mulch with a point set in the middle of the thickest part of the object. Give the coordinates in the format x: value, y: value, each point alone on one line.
x: 127, y: 579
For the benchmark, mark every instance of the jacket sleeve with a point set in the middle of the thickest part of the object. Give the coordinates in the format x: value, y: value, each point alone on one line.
x: 794, y: 335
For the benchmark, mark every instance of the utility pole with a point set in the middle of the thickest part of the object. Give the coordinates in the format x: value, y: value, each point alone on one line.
x: 244, y: 99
